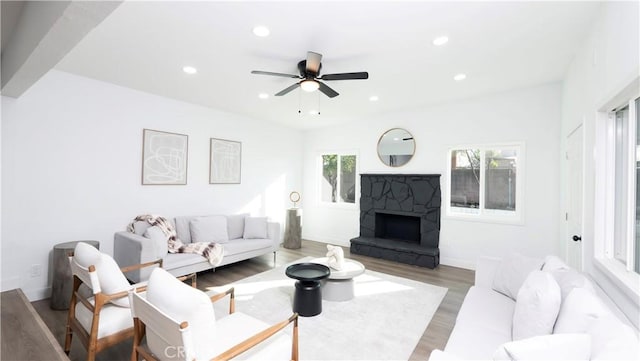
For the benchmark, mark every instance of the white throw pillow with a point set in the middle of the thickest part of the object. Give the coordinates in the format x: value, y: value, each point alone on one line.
x: 552, y: 263
x: 255, y: 227
x: 160, y: 239
x: 86, y: 255
x: 209, y: 229
x: 537, y: 306
x: 235, y: 225
x: 570, y: 346
x: 579, y: 309
x: 612, y: 340
x: 512, y: 272
x: 182, y: 303
x: 568, y: 279
x: 109, y: 275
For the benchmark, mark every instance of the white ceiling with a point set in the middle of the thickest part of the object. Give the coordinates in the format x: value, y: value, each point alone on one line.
x: 499, y: 45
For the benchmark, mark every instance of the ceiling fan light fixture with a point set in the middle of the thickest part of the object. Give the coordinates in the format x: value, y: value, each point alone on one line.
x: 309, y: 85
x: 440, y: 40
x: 261, y: 31
x: 189, y: 69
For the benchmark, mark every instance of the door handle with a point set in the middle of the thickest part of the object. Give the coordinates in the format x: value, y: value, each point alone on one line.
x: 576, y: 238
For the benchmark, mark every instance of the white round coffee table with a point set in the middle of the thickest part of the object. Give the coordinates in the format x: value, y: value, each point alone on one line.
x: 339, y: 286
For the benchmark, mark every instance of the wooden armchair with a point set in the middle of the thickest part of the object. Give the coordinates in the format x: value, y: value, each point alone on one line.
x: 179, y: 323
x: 103, y: 319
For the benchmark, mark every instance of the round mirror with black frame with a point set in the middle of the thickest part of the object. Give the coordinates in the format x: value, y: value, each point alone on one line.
x: 396, y: 147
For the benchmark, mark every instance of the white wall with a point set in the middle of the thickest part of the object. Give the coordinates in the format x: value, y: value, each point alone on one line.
x: 607, y: 61
x: 71, y: 168
x: 528, y: 115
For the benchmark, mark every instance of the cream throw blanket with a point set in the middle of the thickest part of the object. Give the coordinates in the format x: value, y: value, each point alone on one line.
x: 211, y: 251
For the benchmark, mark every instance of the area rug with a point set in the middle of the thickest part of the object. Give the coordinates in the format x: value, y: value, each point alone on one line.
x: 384, y: 321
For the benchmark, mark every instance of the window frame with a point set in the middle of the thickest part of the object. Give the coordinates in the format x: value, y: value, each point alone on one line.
x: 320, y: 177
x: 484, y: 215
x: 622, y: 275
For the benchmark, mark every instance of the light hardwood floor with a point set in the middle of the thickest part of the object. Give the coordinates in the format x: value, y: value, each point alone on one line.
x: 457, y: 280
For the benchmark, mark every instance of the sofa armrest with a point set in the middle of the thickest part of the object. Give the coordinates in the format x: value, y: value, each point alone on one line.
x: 486, y: 270
x: 273, y: 232
x: 131, y: 249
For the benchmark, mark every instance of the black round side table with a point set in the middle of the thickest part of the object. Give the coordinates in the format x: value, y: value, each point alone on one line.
x: 307, y: 299
x: 62, y: 285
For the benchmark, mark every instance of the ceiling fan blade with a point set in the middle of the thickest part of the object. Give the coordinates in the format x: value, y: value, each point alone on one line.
x: 313, y: 62
x: 327, y: 91
x: 259, y: 72
x: 345, y: 76
x: 287, y: 90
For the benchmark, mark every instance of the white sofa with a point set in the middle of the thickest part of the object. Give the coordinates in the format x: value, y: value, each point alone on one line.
x: 240, y: 240
x: 568, y: 317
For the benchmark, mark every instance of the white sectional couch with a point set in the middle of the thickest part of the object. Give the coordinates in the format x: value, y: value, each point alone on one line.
x: 241, y: 236
x: 549, y: 312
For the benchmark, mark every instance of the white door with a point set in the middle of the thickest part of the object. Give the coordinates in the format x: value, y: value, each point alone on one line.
x: 574, y: 211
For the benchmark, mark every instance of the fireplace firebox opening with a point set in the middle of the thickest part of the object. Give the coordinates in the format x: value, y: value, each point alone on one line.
x: 397, y: 227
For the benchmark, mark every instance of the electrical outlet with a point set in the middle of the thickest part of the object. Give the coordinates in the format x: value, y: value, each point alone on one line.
x: 35, y: 270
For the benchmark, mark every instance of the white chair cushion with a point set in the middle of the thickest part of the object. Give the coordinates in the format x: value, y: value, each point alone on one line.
x: 160, y: 240
x: 612, y: 340
x: 579, y: 309
x: 553, y: 263
x: 109, y: 275
x: 537, y: 306
x: 255, y: 227
x: 237, y: 327
x: 112, y: 318
x: 235, y: 225
x: 209, y: 229
x: 512, y: 272
x: 182, y: 303
x: 570, y: 346
x: 112, y: 280
x: 86, y: 255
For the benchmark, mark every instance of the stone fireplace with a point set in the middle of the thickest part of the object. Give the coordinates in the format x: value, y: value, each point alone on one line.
x: 400, y: 218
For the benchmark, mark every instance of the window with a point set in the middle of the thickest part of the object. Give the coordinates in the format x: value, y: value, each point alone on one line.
x: 624, y: 246
x: 484, y: 182
x: 338, y: 181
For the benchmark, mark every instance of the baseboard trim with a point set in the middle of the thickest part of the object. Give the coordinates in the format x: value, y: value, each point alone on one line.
x: 456, y: 262
x: 38, y: 294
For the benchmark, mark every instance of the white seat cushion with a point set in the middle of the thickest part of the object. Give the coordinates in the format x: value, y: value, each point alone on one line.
x: 176, y: 260
x: 239, y: 246
x: 237, y: 327
x: 483, y: 324
x: 568, y: 346
x: 112, y: 318
x: 612, y: 340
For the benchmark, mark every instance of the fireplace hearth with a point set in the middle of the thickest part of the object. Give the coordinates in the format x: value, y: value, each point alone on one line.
x: 400, y: 218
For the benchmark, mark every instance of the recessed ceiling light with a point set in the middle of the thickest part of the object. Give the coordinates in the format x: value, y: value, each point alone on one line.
x: 189, y: 69
x: 261, y: 31
x: 373, y: 98
x: 460, y: 77
x: 263, y: 96
x: 314, y: 112
x: 440, y: 40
